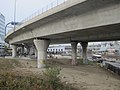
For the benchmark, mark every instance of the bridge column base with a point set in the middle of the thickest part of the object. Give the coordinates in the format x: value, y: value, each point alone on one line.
x: 41, y: 46
x: 74, y: 53
x: 14, y: 51
x: 84, y: 52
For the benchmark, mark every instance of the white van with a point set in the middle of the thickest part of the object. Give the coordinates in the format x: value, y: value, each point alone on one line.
x: 96, y: 57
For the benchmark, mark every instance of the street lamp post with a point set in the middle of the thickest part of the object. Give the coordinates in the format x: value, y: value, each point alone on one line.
x: 12, y: 23
x: 14, y: 13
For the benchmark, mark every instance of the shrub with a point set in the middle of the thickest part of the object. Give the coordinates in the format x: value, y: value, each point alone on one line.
x: 49, y: 80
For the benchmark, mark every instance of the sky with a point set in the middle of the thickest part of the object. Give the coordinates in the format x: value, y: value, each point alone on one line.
x: 24, y: 8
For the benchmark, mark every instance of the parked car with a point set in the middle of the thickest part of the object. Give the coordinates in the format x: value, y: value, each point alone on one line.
x: 97, y: 57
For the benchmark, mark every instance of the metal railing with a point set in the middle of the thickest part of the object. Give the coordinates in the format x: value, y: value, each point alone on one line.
x: 41, y: 11
x: 45, y: 9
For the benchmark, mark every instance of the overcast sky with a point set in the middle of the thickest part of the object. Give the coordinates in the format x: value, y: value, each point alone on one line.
x: 24, y: 8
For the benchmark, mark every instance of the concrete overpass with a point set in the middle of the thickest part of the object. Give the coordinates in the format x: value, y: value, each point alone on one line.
x: 71, y: 22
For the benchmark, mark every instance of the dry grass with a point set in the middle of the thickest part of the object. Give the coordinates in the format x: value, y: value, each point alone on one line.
x: 14, y: 76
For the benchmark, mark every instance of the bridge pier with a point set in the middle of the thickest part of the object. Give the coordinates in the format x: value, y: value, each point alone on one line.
x: 14, y: 51
x: 74, y: 52
x: 27, y: 49
x: 22, y: 49
x: 41, y: 46
x: 84, y: 52
x: 36, y: 53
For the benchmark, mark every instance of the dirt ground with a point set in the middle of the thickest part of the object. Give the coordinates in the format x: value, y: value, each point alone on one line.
x: 91, y: 78
x: 82, y: 77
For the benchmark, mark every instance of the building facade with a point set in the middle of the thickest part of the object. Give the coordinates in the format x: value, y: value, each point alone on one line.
x: 111, y: 47
x: 2, y: 34
x: 2, y: 52
x: 62, y: 49
x: 2, y: 28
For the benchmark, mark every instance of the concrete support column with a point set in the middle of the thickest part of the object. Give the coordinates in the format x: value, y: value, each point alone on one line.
x: 36, y: 52
x: 74, y: 53
x: 84, y: 52
x: 31, y: 50
x: 28, y: 50
x: 22, y: 50
x: 14, y: 51
x: 41, y: 46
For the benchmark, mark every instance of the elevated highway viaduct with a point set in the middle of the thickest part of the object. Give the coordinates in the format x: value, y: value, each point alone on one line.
x: 71, y: 22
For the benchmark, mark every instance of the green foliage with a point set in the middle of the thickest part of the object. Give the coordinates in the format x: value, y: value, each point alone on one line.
x: 80, y: 62
x: 51, y: 78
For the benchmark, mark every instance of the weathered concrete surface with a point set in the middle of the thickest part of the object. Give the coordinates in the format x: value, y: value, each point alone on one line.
x: 14, y: 51
x: 41, y: 46
x: 75, y: 20
x: 74, y: 52
x: 84, y: 52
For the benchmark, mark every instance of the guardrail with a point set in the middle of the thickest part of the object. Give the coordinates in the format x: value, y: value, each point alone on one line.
x: 41, y: 11
x: 113, y: 66
x: 45, y: 9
